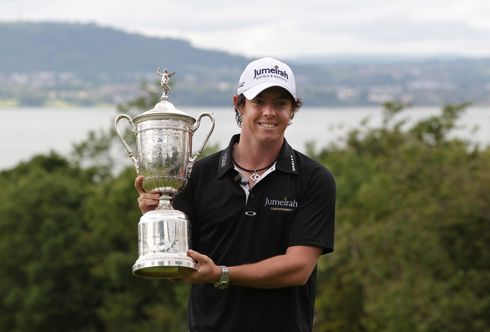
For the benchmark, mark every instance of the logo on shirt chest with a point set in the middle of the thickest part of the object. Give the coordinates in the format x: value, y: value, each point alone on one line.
x: 283, y: 204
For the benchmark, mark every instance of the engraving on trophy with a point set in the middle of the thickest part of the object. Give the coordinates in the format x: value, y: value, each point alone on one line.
x: 164, y: 158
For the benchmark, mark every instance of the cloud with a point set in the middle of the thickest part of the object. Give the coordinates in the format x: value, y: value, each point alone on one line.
x: 285, y: 28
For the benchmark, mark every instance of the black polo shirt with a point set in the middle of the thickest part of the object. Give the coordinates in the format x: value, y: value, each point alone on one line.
x: 293, y: 205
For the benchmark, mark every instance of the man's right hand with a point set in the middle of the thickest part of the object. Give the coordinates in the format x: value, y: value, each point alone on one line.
x: 146, y: 201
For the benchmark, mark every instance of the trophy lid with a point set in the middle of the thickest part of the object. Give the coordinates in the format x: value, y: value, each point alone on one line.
x: 164, y: 109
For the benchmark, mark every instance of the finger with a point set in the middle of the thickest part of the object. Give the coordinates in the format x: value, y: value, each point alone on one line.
x: 149, y: 196
x: 138, y: 184
x: 147, y: 201
x: 207, y: 271
x: 195, y: 255
x: 198, y: 257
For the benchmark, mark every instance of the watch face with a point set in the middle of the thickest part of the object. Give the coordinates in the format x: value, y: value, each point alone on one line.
x: 224, y: 280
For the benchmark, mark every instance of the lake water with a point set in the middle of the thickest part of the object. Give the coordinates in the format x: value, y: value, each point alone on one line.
x: 25, y: 132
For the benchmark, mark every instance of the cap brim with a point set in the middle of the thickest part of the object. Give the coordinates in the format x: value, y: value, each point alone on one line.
x: 256, y: 89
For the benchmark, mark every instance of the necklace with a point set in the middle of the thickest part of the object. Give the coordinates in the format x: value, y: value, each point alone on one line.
x: 255, y: 172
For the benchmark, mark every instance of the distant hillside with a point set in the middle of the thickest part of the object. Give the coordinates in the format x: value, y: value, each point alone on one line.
x: 90, y: 48
x: 43, y: 63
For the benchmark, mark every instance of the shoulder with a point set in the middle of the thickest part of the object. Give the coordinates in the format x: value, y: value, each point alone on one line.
x: 206, y: 166
x: 208, y: 161
x: 310, y: 168
x: 315, y: 178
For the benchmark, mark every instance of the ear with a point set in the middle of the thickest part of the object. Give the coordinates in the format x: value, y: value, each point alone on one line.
x: 235, y: 101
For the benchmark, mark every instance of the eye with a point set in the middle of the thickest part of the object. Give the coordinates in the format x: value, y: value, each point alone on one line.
x: 282, y: 103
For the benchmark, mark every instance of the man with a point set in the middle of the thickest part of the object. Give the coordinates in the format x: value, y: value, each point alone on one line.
x: 261, y: 214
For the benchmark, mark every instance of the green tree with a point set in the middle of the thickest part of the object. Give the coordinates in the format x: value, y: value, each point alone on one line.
x: 411, y: 230
x: 44, y: 267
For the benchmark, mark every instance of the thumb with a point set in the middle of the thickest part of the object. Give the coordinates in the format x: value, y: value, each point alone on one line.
x: 200, y: 258
x: 138, y: 184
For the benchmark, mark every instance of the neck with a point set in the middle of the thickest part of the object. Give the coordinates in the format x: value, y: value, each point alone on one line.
x: 256, y: 155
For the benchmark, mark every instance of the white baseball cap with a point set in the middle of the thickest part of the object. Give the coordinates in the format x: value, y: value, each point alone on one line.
x: 265, y: 73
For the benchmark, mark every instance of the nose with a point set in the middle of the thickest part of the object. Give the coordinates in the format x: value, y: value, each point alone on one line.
x: 268, y: 109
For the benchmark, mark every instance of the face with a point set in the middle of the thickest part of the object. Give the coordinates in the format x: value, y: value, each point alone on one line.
x: 266, y: 117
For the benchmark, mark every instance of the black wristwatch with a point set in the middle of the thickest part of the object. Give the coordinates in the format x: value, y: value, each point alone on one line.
x: 224, y: 279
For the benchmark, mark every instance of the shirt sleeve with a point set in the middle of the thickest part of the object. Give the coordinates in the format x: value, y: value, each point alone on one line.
x: 314, y: 220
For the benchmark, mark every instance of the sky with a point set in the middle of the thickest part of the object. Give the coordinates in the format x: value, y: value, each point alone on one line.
x: 286, y: 29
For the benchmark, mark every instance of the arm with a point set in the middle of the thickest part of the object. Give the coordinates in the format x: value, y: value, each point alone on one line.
x: 291, y: 269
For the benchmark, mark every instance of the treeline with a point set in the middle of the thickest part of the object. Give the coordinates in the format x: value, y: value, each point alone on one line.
x: 411, y: 237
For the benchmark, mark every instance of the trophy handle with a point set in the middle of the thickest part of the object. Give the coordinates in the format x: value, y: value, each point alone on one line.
x: 132, y: 126
x: 193, y: 129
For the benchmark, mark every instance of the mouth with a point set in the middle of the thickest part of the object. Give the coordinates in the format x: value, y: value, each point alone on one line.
x: 267, y: 124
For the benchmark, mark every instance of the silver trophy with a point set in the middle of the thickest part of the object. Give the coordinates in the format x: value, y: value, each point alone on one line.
x: 164, y: 158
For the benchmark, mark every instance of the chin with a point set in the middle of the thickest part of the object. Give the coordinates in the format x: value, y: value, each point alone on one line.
x: 272, y: 138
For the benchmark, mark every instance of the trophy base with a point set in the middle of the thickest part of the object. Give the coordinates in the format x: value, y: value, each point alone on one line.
x: 162, y: 267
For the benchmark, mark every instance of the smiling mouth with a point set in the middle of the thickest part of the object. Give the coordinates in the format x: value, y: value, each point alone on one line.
x: 267, y: 125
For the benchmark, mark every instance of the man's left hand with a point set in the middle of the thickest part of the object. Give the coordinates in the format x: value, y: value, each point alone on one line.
x: 207, y: 271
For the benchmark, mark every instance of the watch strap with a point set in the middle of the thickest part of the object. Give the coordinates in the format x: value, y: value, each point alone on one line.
x: 224, y: 279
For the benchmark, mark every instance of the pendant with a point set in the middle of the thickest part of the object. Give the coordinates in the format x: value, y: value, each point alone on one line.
x: 255, y: 177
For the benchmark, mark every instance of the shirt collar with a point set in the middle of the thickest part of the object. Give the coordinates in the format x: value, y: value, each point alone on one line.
x: 286, y: 162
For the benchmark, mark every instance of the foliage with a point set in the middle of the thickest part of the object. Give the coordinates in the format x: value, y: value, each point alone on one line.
x: 411, y: 231
x: 411, y: 236
x: 44, y: 265
x: 68, y: 257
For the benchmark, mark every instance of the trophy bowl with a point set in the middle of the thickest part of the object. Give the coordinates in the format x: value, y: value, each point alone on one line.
x: 164, y: 158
